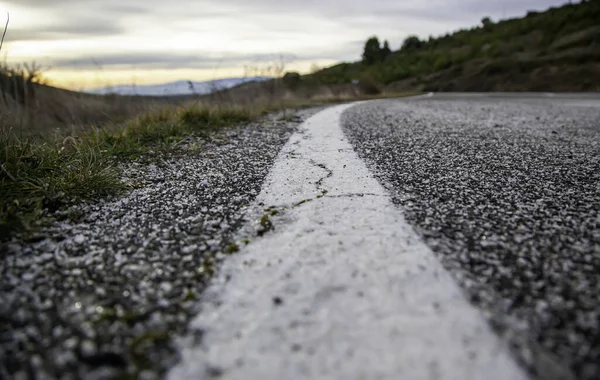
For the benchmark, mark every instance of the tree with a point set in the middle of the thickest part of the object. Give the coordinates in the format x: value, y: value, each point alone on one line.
x: 486, y: 21
x: 292, y: 79
x: 385, y: 51
x: 368, y: 86
x: 412, y: 43
x: 372, y: 51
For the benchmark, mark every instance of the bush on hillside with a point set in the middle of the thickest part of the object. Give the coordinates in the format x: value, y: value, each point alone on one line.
x: 368, y: 86
x: 291, y: 80
x: 385, y: 51
x: 486, y: 22
x: 569, y: 31
x: 411, y: 43
x: 371, y: 51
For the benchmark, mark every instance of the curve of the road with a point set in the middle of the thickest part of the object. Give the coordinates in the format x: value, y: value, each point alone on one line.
x: 501, y: 189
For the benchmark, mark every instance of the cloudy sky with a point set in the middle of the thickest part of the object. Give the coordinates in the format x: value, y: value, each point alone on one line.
x: 91, y: 43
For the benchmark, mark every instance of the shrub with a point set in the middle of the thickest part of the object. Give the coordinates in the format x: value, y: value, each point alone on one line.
x: 441, y: 63
x: 368, y: 86
x: 372, y: 51
x: 385, y: 51
x: 411, y: 43
x: 291, y: 80
x: 486, y: 22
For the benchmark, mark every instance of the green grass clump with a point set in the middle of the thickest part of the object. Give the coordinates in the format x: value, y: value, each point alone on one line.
x: 46, y: 174
x: 154, y: 129
x: 37, y: 175
x: 159, y: 129
x: 205, y: 117
x: 232, y: 248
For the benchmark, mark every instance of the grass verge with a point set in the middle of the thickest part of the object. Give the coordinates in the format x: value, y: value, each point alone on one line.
x: 38, y: 175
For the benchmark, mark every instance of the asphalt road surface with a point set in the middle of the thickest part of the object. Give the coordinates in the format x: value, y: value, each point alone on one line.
x: 450, y: 236
x: 341, y: 288
x: 506, y: 190
x: 503, y: 189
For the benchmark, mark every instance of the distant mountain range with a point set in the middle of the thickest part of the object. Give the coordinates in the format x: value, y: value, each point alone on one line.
x: 181, y: 87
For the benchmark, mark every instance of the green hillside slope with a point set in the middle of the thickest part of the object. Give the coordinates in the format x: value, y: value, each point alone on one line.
x: 555, y: 50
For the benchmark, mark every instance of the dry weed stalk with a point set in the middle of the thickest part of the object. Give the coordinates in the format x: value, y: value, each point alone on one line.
x: 5, y: 29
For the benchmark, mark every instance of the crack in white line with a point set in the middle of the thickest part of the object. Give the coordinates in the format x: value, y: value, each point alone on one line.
x: 342, y: 289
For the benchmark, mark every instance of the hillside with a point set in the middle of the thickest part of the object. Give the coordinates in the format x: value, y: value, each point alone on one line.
x: 28, y: 105
x: 555, y: 50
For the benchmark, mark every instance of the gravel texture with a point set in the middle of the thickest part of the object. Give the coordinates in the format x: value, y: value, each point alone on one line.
x: 507, y: 192
x: 341, y: 289
x: 102, y: 292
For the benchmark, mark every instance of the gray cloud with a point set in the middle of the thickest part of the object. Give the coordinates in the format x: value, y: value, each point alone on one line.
x: 161, y: 61
x: 208, y: 60
x: 66, y: 4
x: 338, y: 5
x: 57, y: 32
x: 90, y: 18
x: 440, y: 10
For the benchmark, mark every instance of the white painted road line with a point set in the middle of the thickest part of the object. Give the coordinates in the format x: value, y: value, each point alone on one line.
x: 343, y: 288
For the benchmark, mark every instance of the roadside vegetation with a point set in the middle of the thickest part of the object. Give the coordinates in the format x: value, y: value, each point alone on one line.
x: 555, y: 50
x: 59, y: 147
x: 41, y: 174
